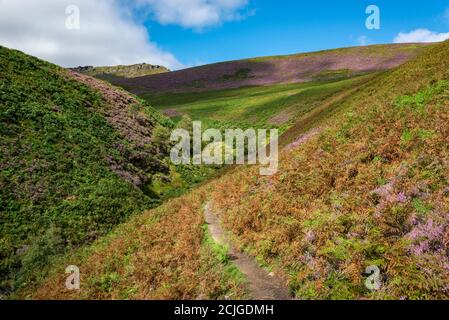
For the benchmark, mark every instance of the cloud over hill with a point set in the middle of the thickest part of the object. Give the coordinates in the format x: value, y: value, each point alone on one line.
x: 420, y: 35
x: 108, y: 35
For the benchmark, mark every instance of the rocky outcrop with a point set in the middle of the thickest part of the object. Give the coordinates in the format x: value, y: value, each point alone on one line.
x: 131, y: 71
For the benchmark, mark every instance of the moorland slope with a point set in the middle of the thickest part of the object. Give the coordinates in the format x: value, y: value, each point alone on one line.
x: 323, y: 65
x: 370, y: 188
x: 77, y: 157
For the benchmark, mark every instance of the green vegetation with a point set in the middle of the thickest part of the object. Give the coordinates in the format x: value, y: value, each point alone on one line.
x: 57, y: 188
x: 231, y: 273
x: 164, y: 253
x: 266, y: 106
x: 370, y: 189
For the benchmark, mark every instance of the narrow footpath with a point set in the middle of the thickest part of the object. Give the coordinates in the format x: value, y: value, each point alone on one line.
x: 262, y: 285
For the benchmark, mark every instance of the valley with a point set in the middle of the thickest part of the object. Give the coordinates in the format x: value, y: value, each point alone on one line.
x: 362, y: 181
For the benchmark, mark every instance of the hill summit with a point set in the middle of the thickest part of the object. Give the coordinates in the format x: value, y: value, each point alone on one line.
x: 121, y: 71
x: 304, y: 67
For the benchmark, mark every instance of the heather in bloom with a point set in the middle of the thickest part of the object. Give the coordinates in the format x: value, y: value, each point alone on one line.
x: 427, y: 238
x: 401, y: 198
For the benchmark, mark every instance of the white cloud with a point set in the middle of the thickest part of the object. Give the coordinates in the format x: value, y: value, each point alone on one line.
x: 363, y: 40
x: 195, y: 13
x: 107, y: 35
x: 421, y: 35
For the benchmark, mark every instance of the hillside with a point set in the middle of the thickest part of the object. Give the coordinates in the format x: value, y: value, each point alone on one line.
x: 116, y: 73
x: 368, y: 186
x: 324, y: 65
x: 371, y: 189
x: 77, y: 158
x: 271, y: 106
x: 265, y: 98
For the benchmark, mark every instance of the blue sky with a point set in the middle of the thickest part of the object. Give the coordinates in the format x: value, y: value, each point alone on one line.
x: 291, y: 26
x: 182, y: 33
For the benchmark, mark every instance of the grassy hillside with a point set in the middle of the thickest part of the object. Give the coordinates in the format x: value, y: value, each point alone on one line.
x: 371, y: 189
x: 324, y: 65
x: 266, y: 106
x: 77, y: 157
x: 272, y: 92
x: 162, y: 254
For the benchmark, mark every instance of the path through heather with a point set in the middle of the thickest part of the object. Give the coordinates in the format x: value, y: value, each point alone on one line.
x: 262, y: 285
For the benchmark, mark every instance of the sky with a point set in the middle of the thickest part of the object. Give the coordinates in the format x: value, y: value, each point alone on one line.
x: 185, y: 33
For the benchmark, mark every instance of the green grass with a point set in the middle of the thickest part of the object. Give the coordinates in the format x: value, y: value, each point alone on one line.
x: 221, y: 254
x: 253, y: 106
x: 371, y: 189
x: 324, y: 217
x: 57, y: 190
x: 58, y: 194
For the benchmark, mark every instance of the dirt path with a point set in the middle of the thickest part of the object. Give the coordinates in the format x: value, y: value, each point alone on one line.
x: 312, y: 119
x: 302, y: 139
x: 263, y: 286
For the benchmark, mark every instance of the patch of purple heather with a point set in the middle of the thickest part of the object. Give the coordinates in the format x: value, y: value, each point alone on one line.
x: 420, y: 191
x: 385, y: 190
x: 141, y: 157
x: 401, y: 198
x: 388, y: 197
x: 309, y: 261
x: 310, y: 236
x: 288, y: 69
x: 427, y: 238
